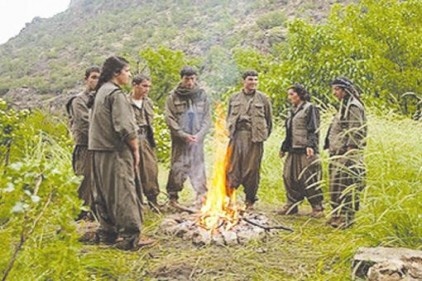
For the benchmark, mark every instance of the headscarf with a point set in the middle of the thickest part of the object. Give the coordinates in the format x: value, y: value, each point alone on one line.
x: 351, y: 90
x: 182, y: 91
x: 347, y: 85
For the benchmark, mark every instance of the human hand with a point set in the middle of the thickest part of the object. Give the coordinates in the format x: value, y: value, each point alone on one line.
x: 309, y: 152
x: 281, y: 153
x: 192, y: 139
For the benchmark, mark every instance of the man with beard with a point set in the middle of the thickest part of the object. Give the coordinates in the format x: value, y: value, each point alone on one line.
x: 188, y: 117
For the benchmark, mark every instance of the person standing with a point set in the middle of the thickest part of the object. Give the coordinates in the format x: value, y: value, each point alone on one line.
x: 249, y: 123
x: 302, y: 167
x: 115, y: 156
x: 144, y: 114
x: 78, y: 111
x: 345, y: 142
x: 188, y: 116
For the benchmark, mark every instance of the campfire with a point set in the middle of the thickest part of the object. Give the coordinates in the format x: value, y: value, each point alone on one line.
x: 221, y: 220
x: 220, y: 208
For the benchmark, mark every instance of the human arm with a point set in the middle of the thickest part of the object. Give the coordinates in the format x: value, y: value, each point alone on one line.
x: 312, y: 128
x: 356, y: 128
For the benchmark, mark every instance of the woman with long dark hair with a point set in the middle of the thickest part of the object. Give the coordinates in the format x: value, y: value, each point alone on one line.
x: 302, y: 167
x: 114, y: 145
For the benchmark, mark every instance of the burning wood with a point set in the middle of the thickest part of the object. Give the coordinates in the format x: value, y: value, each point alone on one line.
x: 221, y: 220
x: 220, y: 208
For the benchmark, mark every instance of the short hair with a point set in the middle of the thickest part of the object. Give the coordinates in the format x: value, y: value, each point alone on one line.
x: 301, y: 91
x: 139, y: 78
x: 187, y: 71
x: 249, y: 73
x: 91, y: 69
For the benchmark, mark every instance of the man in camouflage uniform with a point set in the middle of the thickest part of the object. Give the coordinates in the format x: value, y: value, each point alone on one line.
x: 345, y: 142
x: 77, y: 108
x: 249, y: 122
x: 188, y: 117
x: 144, y: 114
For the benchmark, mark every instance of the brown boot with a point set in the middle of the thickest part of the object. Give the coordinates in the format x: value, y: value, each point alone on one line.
x: 317, y: 212
x: 249, y: 206
x: 288, y: 209
x: 153, y: 205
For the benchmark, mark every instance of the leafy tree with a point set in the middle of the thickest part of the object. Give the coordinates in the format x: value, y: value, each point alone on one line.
x: 163, y: 65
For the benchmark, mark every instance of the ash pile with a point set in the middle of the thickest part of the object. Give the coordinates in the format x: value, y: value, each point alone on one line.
x: 251, y: 226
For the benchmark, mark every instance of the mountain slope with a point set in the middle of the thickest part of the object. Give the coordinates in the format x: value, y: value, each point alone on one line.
x: 50, y: 55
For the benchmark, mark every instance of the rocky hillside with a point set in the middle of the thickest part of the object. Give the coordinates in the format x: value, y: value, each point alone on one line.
x: 50, y: 55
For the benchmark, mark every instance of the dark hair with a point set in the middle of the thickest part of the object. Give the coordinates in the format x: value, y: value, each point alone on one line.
x: 249, y: 73
x: 300, y: 90
x: 348, y: 86
x: 91, y: 69
x: 187, y: 71
x: 111, y: 66
x: 140, y: 78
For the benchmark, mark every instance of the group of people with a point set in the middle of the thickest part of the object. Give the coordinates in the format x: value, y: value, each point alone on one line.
x: 345, y: 142
x: 115, y: 147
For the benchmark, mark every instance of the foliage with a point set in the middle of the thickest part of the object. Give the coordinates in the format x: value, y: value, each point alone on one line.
x: 38, y: 202
x: 376, y: 45
x: 163, y: 65
x: 162, y: 137
x: 271, y: 19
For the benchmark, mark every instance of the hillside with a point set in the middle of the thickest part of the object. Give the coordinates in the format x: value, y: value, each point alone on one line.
x: 50, y: 55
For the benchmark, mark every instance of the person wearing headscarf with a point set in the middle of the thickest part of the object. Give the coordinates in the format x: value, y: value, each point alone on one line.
x: 345, y: 142
x: 302, y: 167
x: 188, y: 116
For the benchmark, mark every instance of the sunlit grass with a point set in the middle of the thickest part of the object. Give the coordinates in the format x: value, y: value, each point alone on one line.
x: 390, y: 215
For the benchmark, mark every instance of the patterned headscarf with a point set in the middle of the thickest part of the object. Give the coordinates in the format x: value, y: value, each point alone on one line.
x: 351, y: 90
x: 347, y: 85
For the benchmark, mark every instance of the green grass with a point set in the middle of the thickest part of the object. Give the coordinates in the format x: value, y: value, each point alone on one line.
x: 390, y: 216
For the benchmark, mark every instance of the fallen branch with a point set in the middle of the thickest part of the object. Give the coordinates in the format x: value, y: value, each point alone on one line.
x: 268, y: 228
x: 183, y: 208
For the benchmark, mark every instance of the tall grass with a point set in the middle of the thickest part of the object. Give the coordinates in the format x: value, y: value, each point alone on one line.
x: 390, y: 215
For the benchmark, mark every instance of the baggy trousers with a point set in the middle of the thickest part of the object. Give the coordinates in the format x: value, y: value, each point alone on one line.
x: 116, y: 201
x: 302, y: 178
x: 347, y: 176
x: 81, y: 166
x: 244, y: 163
x: 148, y: 169
x: 187, y: 160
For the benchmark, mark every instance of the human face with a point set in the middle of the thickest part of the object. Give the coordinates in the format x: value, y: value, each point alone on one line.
x: 250, y: 83
x: 92, y: 80
x: 142, y: 89
x: 188, y: 82
x: 293, y: 97
x: 124, y: 76
x: 338, y: 92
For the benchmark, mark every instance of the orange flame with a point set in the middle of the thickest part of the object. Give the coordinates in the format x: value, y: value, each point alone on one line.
x: 220, y: 205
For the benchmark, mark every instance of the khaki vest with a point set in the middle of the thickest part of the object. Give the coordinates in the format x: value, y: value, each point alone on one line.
x: 341, y: 133
x: 260, y: 113
x: 299, y: 130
